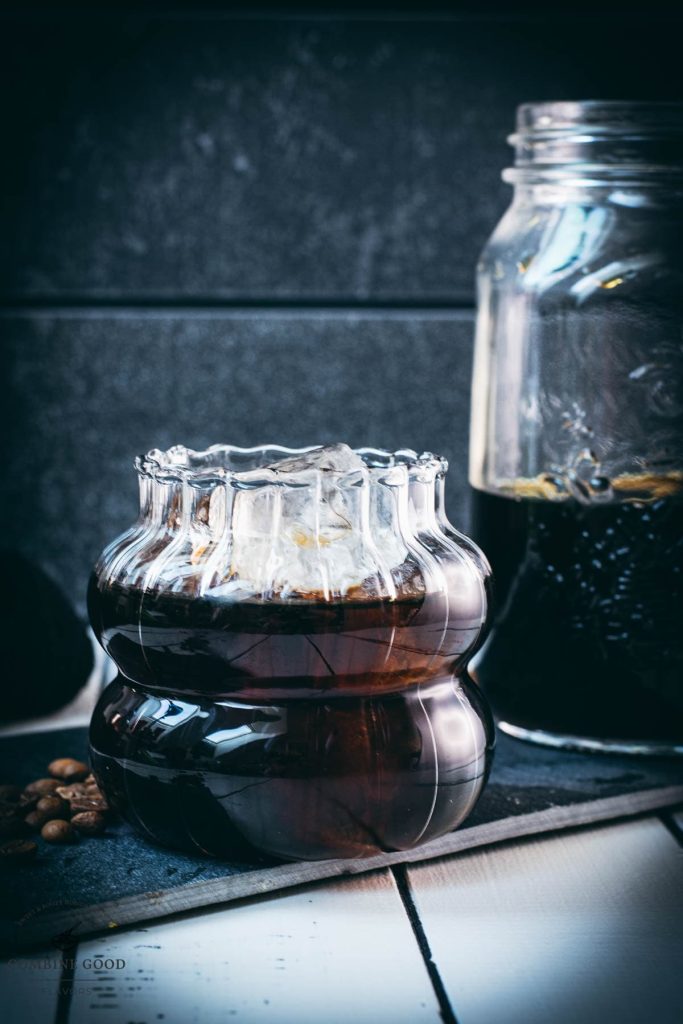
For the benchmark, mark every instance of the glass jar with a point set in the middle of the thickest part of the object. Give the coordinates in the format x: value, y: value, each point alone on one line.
x: 292, y: 630
x: 576, y: 458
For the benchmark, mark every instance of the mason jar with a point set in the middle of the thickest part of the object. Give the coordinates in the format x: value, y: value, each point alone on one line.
x: 576, y: 458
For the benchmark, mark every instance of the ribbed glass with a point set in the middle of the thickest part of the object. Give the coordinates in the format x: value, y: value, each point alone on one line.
x: 299, y: 622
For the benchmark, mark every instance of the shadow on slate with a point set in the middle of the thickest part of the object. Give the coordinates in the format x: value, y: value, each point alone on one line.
x: 63, y: 889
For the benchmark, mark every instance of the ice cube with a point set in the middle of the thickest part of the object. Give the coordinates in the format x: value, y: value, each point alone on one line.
x: 337, y: 458
x: 306, y: 537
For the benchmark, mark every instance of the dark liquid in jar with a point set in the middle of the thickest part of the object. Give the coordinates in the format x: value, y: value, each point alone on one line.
x: 587, y: 635
x: 305, y: 729
x: 265, y: 649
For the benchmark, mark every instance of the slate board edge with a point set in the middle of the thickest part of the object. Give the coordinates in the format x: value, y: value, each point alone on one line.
x: 215, y: 892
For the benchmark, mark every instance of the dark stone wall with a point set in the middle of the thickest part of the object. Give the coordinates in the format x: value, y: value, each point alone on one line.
x: 240, y: 228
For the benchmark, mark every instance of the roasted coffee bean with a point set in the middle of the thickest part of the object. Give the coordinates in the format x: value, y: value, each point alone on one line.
x: 52, y: 807
x: 79, y: 789
x: 18, y: 850
x: 72, y: 792
x: 68, y: 769
x: 35, y: 820
x: 57, y: 831
x: 90, y: 823
x: 9, y: 793
x: 47, y: 808
x: 89, y: 803
x: 43, y: 787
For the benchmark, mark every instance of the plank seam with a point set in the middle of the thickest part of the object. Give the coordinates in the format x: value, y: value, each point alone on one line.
x: 192, y: 303
x: 672, y: 826
x: 339, y: 13
x: 403, y: 886
x: 66, y: 985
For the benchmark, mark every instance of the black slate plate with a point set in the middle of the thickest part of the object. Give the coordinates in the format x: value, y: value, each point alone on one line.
x: 119, y: 878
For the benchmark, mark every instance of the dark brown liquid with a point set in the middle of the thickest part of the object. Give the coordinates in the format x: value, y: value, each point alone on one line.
x: 587, y: 636
x: 302, y: 729
x: 262, y: 650
x: 299, y: 779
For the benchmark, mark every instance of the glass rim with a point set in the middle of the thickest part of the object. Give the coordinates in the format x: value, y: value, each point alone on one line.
x: 598, y: 142
x: 225, y: 463
x: 554, y: 118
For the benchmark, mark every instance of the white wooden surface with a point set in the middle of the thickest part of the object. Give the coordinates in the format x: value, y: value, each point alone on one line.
x: 29, y: 987
x: 580, y: 927
x: 337, y: 952
x: 583, y: 927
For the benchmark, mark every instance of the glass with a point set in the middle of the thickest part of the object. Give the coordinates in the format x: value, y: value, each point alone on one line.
x: 576, y: 457
x: 292, y: 630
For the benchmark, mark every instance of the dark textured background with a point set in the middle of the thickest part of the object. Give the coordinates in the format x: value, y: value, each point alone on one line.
x: 222, y: 227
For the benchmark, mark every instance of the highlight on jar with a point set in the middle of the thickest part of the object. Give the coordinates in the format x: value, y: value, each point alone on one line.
x: 292, y: 630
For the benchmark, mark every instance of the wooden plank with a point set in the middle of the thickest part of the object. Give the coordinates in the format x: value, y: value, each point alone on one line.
x: 339, y: 952
x: 585, y: 926
x: 30, y: 987
x: 677, y: 820
x: 83, y: 921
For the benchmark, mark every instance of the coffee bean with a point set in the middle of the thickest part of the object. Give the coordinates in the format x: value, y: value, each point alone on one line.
x: 35, y: 820
x: 57, y: 831
x: 47, y: 808
x: 68, y: 769
x: 18, y: 850
x: 90, y: 823
x: 10, y: 793
x: 89, y: 803
x: 43, y: 787
x: 52, y: 807
x: 72, y: 792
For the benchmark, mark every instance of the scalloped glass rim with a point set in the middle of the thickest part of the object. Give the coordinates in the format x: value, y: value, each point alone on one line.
x: 219, y: 462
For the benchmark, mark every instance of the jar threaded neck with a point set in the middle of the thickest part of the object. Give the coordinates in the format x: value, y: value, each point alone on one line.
x: 598, y: 142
